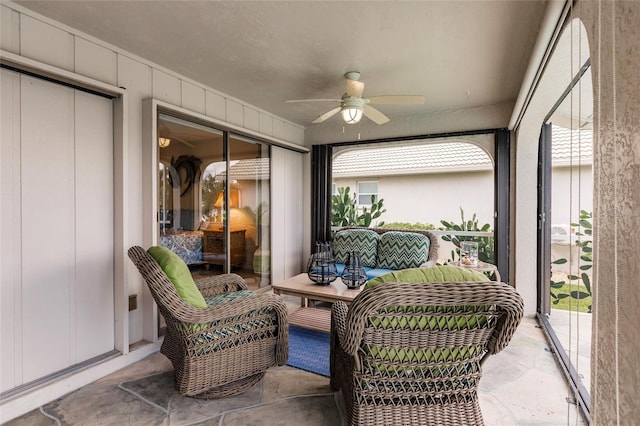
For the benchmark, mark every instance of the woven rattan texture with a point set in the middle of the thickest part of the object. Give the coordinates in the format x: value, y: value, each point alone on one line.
x: 220, y: 350
x: 411, y: 353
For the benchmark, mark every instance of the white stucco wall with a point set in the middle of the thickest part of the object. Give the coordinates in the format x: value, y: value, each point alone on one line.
x: 429, y: 198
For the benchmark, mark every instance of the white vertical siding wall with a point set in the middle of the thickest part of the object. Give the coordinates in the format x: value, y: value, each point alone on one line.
x: 287, y: 224
x: 32, y: 36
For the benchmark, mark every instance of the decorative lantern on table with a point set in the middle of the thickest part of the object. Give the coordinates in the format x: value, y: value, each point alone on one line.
x: 354, y: 275
x: 321, y: 268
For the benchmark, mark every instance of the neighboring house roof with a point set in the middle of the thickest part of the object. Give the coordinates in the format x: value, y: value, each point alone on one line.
x: 411, y: 159
x: 451, y: 156
x: 247, y: 169
x: 570, y: 147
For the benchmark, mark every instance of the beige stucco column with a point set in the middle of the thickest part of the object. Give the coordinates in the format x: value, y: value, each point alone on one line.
x: 614, y: 39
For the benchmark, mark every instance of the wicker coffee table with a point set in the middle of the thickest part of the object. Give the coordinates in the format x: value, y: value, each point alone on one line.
x: 301, y: 286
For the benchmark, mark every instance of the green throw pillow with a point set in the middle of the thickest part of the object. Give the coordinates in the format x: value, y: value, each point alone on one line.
x: 179, y: 274
x: 426, y: 275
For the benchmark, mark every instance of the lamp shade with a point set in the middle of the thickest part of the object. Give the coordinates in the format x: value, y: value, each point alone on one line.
x: 234, y: 199
x: 351, y: 115
x: 219, y: 200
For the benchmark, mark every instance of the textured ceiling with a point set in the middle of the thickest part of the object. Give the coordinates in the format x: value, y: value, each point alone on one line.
x: 458, y: 54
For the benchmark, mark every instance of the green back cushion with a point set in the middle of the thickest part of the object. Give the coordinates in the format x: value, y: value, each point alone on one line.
x: 178, y: 272
x: 426, y: 318
x: 429, y: 275
x: 363, y: 241
x: 401, y: 250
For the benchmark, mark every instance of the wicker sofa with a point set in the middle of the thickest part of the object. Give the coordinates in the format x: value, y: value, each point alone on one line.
x: 385, y: 250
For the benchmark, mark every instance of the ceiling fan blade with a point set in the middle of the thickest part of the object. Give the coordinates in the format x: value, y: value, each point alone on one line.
x: 328, y: 114
x: 395, y: 99
x: 355, y: 88
x: 189, y: 144
x: 375, y: 115
x: 312, y: 100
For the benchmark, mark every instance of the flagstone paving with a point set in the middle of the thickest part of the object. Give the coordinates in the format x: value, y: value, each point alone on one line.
x: 520, y: 386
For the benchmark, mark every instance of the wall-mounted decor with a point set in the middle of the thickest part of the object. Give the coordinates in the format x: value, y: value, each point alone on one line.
x: 188, y: 164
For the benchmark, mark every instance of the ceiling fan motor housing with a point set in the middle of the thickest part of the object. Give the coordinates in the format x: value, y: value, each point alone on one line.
x: 351, y: 102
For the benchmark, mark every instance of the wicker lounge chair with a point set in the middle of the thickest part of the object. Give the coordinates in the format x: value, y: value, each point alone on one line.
x: 411, y: 353
x: 219, y: 350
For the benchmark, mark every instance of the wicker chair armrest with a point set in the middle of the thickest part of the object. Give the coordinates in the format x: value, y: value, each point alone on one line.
x: 217, y: 284
x: 339, y: 318
x: 234, y: 308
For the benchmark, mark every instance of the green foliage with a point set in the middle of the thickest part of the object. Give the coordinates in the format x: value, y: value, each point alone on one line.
x: 585, y: 229
x: 210, y: 190
x: 485, y: 244
x: 407, y: 225
x: 565, y: 301
x: 345, y: 212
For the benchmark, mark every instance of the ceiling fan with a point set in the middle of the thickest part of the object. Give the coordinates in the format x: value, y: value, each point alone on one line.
x: 353, y: 106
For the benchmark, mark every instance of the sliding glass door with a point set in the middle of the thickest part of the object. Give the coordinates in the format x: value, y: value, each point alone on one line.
x: 213, y: 199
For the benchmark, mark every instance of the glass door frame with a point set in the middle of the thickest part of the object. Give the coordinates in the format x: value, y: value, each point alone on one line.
x: 544, y: 251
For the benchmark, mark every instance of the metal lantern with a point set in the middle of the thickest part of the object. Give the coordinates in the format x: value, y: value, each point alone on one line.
x: 354, y: 275
x: 321, y: 268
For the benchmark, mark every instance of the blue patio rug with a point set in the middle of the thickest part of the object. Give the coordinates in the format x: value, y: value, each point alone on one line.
x: 309, y: 350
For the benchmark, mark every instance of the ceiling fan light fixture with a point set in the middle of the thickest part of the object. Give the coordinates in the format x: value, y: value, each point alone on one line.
x: 164, y: 142
x: 351, y: 115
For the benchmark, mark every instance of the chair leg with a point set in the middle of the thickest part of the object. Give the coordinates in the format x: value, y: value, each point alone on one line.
x: 230, y: 389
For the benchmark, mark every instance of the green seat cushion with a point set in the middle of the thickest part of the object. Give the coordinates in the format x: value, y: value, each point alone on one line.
x: 401, y: 250
x: 429, y: 275
x: 178, y: 272
x: 363, y: 241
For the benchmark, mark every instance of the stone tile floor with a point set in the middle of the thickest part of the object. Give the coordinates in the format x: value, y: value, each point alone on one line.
x: 520, y: 386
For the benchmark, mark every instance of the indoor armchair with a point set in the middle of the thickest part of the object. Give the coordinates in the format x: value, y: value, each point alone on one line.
x: 224, y: 347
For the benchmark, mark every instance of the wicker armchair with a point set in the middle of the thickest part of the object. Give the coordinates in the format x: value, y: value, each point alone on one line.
x: 220, y: 350
x: 411, y: 353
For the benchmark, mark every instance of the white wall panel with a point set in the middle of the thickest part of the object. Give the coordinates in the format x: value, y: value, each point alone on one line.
x: 293, y: 236
x: 216, y: 106
x: 48, y: 231
x: 94, y: 317
x: 166, y: 87
x: 278, y: 219
x: 46, y: 43
x: 287, y: 210
x: 293, y: 133
x: 193, y: 97
x: 10, y: 225
x: 266, y: 124
x: 95, y: 61
x: 136, y: 78
x: 278, y: 128
x: 9, y: 30
x: 251, y: 119
x: 235, y: 112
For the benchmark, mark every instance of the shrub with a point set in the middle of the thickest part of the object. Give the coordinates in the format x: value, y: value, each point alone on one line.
x: 345, y: 212
x: 585, y: 229
x: 485, y: 244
